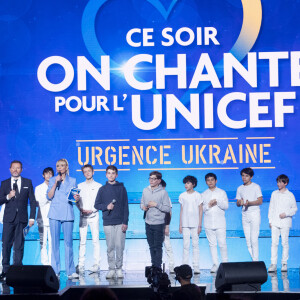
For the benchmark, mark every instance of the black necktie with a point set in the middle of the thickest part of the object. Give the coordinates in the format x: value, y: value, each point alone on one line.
x: 15, y: 188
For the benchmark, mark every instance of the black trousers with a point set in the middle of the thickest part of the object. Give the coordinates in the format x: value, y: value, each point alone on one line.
x: 155, y: 237
x: 12, y: 236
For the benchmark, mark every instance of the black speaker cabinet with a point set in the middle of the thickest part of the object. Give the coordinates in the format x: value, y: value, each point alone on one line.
x: 241, y: 276
x: 32, y: 279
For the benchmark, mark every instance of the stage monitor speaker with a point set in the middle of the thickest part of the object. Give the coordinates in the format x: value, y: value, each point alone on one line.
x: 32, y: 279
x: 241, y: 276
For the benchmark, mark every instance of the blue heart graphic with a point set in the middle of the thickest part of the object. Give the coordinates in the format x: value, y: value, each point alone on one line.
x: 244, y: 43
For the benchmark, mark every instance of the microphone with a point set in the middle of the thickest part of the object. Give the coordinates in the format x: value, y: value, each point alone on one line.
x: 58, y: 182
x: 112, y: 202
x: 15, y: 188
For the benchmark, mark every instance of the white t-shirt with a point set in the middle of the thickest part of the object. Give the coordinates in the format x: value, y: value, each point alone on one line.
x: 190, y: 208
x: 88, y: 194
x: 251, y: 193
x: 214, y: 217
x: 282, y: 203
x: 44, y: 203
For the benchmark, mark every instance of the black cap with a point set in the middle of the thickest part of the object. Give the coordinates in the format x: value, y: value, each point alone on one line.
x: 184, y: 271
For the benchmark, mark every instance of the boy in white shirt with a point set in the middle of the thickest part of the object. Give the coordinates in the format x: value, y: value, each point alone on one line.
x: 89, y: 216
x: 282, y: 207
x: 249, y: 197
x: 191, y: 210
x: 215, y: 202
x: 44, y: 205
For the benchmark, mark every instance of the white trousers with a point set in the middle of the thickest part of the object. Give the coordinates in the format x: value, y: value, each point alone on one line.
x: 187, y: 232
x: 276, y: 232
x: 169, y: 250
x: 251, y: 224
x: 46, y: 239
x: 115, y: 242
x: 93, y: 223
x: 215, y: 236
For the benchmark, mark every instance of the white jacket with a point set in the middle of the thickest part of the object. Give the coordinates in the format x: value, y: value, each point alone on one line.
x: 44, y: 204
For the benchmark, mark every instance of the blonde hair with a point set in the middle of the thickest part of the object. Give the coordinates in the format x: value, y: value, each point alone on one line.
x: 66, y: 162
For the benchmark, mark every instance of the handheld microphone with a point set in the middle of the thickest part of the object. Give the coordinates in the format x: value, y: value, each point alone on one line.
x: 112, y: 202
x: 58, y: 182
x: 15, y: 188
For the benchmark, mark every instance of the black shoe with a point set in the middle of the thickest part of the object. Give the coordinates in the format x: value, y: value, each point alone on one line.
x: 3, y: 276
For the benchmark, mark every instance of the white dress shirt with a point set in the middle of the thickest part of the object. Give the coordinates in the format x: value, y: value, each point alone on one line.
x: 88, y: 193
x: 282, y: 203
x: 214, y: 217
x: 12, y: 182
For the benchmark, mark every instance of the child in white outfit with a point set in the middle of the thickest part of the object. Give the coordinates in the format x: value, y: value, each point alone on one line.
x: 282, y: 207
x: 44, y: 206
x: 89, y: 217
x: 191, y: 210
x: 215, y: 202
x: 249, y: 197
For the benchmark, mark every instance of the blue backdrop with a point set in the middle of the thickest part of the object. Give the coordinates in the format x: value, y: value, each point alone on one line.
x: 43, y: 117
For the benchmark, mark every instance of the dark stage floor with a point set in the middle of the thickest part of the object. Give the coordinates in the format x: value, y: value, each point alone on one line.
x: 279, y: 282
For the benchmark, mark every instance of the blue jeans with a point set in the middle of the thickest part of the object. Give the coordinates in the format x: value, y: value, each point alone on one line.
x: 155, y: 239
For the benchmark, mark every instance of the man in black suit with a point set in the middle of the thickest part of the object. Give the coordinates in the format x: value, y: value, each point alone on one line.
x: 14, y: 193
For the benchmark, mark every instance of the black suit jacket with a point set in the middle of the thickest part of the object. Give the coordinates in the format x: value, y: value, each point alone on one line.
x: 18, y: 204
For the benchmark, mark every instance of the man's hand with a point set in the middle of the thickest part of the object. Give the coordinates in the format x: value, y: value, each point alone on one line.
x: 282, y: 216
x: 144, y: 208
x: 152, y: 204
x: 167, y: 230
x: 31, y: 223
x: 124, y: 227
x: 246, y: 204
x: 240, y: 202
x: 199, y: 229
x: 86, y: 212
x: 212, y: 203
x: 110, y: 206
x: 270, y: 225
x: 11, y: 194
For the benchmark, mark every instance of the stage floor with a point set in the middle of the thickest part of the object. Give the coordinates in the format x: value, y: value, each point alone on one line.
x: 278, y: 282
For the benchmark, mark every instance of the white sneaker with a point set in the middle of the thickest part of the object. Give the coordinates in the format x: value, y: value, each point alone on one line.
x: 171, y: 269
x: 120, y: 273
x: 110, y: 274
x: 214, y: 269
x: 272, y: 268
x: 95, y: 268
x: 73, y: 276
x: 196, y: 271
x: 284, y: 268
